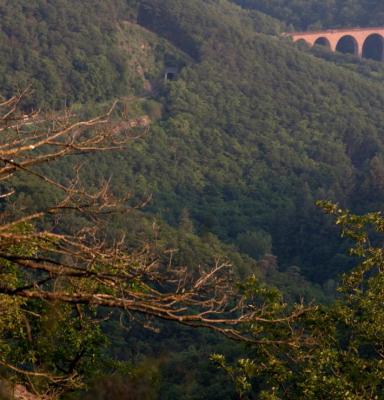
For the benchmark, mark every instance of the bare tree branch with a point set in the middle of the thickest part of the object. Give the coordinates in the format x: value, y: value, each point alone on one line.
x: 82, y: 268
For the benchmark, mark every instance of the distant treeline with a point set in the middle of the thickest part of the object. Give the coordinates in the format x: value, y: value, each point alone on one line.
x: 314, y: 14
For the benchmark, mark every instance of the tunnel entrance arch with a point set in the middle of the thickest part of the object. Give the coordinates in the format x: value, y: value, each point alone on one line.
x: 323, y: 41
x: 373, y: 47
x: 347, y: 45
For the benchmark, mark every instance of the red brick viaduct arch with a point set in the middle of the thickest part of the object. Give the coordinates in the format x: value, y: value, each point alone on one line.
x: 362, y: 42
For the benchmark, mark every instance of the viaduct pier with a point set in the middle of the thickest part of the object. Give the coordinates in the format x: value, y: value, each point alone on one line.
x: 361, y: 42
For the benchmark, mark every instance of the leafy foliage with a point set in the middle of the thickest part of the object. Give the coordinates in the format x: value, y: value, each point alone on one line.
x: 343, y: 359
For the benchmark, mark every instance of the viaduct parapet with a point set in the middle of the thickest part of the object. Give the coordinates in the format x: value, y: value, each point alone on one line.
x: 361, y: 42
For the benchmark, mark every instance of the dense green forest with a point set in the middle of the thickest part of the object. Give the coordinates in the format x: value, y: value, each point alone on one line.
x: 248, y: 134
x: 270, y: 125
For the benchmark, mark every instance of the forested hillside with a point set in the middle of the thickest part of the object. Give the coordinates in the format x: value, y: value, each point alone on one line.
x: 77, y: 52
x: 248, y: 132
x: 246, y: 126
x: 247, y: 122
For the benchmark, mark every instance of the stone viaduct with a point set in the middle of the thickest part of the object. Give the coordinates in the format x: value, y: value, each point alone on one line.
x: 361, y: 42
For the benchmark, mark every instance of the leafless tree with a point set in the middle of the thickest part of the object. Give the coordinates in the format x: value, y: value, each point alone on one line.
x: 86, y: 270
